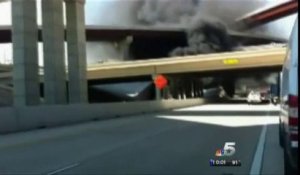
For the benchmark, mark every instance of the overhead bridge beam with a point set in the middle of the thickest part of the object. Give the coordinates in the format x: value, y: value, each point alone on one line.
x: 267, y: 57
x: 265, y: 15
x: 257, y: 57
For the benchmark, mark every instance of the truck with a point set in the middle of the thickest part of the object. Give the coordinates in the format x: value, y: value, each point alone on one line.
x: 288, y: 120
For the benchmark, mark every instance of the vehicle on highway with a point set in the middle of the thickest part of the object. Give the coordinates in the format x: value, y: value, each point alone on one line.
x: 274, y: 94
x: 254, y: 97
x: 266, y: 97
x: 274, y: 100
x: 288, y: 127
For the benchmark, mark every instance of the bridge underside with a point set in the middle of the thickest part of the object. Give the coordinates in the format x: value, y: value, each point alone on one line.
x: 188, y: 76
x: 98, y: 33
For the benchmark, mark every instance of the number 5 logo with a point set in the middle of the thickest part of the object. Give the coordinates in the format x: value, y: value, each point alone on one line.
x: 229, y: 148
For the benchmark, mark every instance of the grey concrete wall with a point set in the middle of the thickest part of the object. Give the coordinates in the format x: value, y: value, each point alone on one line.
x: 15, y: 119
x: 8, y: 122
x: 6, y: 96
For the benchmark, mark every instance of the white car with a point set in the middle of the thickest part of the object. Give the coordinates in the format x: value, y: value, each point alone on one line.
x: 254, y: 97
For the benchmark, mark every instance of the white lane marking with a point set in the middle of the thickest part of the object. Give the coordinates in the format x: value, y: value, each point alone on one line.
x: 63, y: 169
x: 256, y: 166
x: 258, y: 157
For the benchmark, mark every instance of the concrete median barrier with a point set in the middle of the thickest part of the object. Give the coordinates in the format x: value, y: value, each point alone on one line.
x: 13, y: 119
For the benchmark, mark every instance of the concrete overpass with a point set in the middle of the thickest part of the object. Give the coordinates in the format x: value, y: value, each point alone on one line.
x: 249, y: 57
x: 253, y: 59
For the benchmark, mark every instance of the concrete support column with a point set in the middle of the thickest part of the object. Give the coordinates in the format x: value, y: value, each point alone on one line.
x: 193, y: 89
x: 183, y: 94
x: 171, y: 88
x: 188, y: 89
x: 201, y: 90
x: 166, y: 93
x: 54, y: 56
x: 181, y: 86
x: 157, y: 92
x: 76, y: 40
x: 124, y: 47
x: 25, y: 53
x: 196, y: 88
x: 174, y: 88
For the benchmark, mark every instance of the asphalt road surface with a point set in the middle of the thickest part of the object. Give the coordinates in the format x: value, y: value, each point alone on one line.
x: 175, y: 142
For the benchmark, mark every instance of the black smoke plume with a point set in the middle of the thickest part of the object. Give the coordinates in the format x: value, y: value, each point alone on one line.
x: 205, y: 36
x: 204, y: 33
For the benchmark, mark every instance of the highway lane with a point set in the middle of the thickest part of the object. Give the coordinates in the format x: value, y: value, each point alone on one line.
x: 174, y: 142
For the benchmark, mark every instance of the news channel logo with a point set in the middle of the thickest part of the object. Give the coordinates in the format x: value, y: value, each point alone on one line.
x: 227, y: 150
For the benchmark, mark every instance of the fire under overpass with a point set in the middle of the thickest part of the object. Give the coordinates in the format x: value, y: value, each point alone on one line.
x: 229, y: 65
x: 185, y: 74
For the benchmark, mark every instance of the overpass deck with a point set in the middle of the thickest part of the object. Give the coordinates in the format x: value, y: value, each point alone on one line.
x: 250, y: 57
